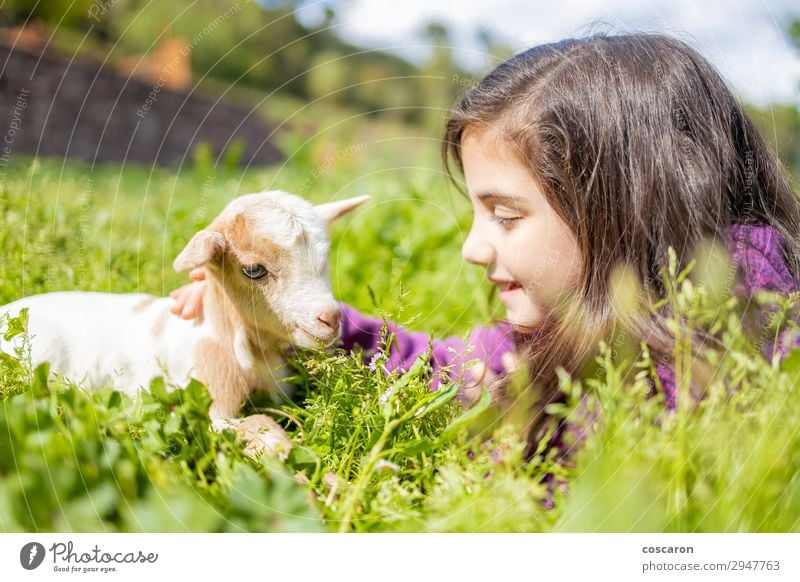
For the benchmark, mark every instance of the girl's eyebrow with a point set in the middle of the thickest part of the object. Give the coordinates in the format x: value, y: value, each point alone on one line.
x: 499, y: 197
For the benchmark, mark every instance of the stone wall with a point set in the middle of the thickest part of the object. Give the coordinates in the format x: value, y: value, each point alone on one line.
x: 53, y: 106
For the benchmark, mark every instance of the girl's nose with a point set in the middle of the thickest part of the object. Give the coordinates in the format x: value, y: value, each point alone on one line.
x: 476, y: 249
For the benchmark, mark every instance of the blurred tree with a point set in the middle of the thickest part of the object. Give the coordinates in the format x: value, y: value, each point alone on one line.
x: 52, y: 12
x: 260, y: 45
x: 327, y: 72
x: 781, y: 126
x: 440, y: 75
x: 493, y: 47
x: 790, y: 147
x: 794, y: 32
x: 780, y: 123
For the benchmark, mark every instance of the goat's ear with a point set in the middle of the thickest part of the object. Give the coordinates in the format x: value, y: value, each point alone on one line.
x: 330, y: 211
x: 205, y: 246
x: 238, y: 231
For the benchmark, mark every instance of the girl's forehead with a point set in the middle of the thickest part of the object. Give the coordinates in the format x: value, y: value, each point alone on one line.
x: 492, y: 169
x: 490, y: 145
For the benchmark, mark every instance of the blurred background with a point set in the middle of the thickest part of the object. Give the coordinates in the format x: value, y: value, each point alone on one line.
x: 145, y: 81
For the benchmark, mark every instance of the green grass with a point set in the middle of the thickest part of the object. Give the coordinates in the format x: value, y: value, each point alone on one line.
x: 373, y: 452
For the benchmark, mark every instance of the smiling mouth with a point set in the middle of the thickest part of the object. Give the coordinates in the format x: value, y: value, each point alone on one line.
x: 508, y: 287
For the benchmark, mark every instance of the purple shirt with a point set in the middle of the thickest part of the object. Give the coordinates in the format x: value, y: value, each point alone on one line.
x: 756, y: 251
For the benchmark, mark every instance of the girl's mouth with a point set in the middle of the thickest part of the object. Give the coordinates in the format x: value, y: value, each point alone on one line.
x: 508, y: 289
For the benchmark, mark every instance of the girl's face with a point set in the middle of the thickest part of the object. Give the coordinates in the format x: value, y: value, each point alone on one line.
x: 528, y: 251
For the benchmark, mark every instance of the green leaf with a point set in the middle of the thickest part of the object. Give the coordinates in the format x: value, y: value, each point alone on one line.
x: 466, y: 418
x: 16, y: 325
x: 40, y: 379
x: 413, y: 448
x: 441, y: 397
x: 158, y: 390
x: 791, y: 363
x: 114, y: 400
x: 301, y: 455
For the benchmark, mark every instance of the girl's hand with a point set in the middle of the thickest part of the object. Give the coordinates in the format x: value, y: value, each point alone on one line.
x: 480, y: 376
x: 189, y: 298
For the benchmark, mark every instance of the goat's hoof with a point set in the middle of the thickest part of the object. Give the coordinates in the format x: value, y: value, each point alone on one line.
x: 263, y: 436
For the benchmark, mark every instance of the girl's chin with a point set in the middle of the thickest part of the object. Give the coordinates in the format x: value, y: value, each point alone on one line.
x: 523, y: 323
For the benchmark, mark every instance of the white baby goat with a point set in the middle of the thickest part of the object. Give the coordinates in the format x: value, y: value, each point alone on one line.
x: 266, y: 263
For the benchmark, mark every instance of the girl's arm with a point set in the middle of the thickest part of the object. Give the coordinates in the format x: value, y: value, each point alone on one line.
x: 757, y: 252
x: 491, y: 347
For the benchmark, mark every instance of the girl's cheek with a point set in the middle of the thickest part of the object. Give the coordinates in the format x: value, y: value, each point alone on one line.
x: 519, y: 262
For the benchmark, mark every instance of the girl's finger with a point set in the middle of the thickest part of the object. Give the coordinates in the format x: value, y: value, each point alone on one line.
x: 194, y: 301
x: 179, y: 295
x: 198, y: 274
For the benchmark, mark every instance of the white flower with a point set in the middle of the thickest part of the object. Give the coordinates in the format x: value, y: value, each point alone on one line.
x: 384, y: 466
x: 379, y: 359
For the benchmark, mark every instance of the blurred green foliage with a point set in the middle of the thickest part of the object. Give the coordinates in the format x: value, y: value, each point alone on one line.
x: 728, y: 463
x: 302, y: 77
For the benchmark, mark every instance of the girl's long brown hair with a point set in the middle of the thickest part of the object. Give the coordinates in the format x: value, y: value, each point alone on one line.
x: 638, y: 145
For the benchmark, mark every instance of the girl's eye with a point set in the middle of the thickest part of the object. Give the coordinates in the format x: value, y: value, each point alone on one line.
x: 504, y: 220
x: 503, y: 215
x: 254, y: 271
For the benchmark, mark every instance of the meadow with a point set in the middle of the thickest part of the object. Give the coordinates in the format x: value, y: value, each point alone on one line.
x: 373, y: 452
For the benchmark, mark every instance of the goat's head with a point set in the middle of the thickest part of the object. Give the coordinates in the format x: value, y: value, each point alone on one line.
x: 269, y: 251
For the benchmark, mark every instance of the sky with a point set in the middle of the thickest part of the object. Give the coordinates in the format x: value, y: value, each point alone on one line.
x: 745, y: 39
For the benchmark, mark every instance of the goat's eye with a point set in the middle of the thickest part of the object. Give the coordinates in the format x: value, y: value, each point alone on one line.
x: 254, y: 271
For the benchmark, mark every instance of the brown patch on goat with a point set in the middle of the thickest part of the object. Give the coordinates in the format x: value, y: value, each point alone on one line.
x: 216, y: 365
x: 229, y: 386
x: 248, y: 248
x: 144, y: 304
x: 160, y: 323
x: 230, y: 299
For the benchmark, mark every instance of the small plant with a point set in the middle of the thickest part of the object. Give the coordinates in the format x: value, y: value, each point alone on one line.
x: 15, y: 369
x: 382, y: 449
x: 726, y: 460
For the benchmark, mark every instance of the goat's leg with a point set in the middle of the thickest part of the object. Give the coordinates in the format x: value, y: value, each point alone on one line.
x: 263, y: 435
x: 229, y: 388
x: 224, y: 408
x: 259, y: 433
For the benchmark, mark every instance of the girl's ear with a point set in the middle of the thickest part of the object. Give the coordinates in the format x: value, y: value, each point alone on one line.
x: 204, y: 247
x: 330, y: 211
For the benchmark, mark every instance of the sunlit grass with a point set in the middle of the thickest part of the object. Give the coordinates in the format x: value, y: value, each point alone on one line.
x: 373, y: 451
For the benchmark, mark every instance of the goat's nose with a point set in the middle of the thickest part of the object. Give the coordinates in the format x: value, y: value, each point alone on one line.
x: 330, y: 318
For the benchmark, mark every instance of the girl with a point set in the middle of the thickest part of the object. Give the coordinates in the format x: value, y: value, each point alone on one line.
x: 582, y: 155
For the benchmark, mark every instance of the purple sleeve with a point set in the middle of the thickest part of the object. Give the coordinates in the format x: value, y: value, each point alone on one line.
x: 485, y: 344
x: 757, y: 251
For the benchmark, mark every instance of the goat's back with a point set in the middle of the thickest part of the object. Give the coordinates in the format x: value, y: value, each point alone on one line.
x: 104, y: 339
